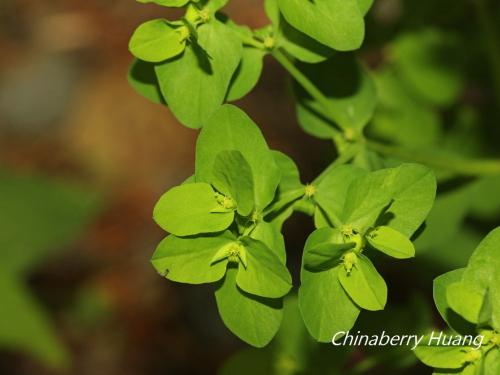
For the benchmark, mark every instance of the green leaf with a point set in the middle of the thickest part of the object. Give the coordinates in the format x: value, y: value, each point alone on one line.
x: 350, y: 92
x: 189, y: 260
x: 492, y: 362
x: 271, y: 237
x: 410, y: 187
x: 290, y: 188
x: 191, y: 209
x: 300, y: 45
x: 419, y: 57
x: 142, y: 78
x: 455, y: 321
x: 253, y: 319
x: 445, y: 357
x: 365, y: 285
x: 364, y: 6
x: 324, y: 249
x: 38, y: 219
x: 265, y: 275
x: 337, y: 24
x: 247, y: 74
x: 391, y: 242
x: 465, y: 300
x: 157, y: 40
x: 212, y: 6
x: 195, y: 84
x: 25, y: 326
x: 167, y: 3
x: 331, y: 191
x: 325, y: 306
x: 231, y: 129
x: 295, y: 42
x: 482, y: 272
x: 233, y: 177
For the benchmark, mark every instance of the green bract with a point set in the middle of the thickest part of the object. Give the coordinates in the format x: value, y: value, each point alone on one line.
x: 192, y: 209
x: 337, y: 24
x: 202, y: 74
x: 467, y: 299
x: 158, y: 40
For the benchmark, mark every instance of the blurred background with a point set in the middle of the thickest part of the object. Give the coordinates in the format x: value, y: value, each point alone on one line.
x: 83, y: 159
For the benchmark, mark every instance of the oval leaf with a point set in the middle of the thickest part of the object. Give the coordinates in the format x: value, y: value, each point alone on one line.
x: 365, y: 285
x: 157, y: 40
x: 324, y: 305
x: 189, y: 260
x: 253, y: 319
x: 195, y: 84
x: 264, y: 275
x: 189, y: 209
x: 337, y: 24
x: 391, y: 242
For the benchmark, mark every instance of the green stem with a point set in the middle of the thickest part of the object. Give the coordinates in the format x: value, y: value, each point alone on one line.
x: 456, y: 165
x: 306, y: 84
x: 492, y: 43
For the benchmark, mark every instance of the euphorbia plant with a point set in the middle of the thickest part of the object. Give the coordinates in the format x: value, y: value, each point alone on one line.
x: 225, y: 221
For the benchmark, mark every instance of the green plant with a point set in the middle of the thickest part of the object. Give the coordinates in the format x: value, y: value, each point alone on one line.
x: 225, y: 221
x: 468, y: 300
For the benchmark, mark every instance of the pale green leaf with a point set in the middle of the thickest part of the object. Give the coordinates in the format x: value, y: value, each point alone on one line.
x: 465, y: 300
x: 189, y: 260
x: 365, y: 5
x: 409, y: 189
x: 195, y: 84
x: 191, y: 209
x: 265, y: 274
x: 364, y: 285
x: 324, y: 248
x: 271, y: 237
x: 247, y: 74
x: 325, y: 306
x: 337, y: 24
x: 233, y: 177
x: 253, y: 319
x: 231, y: 129
x: 290, y: 188
x: 332, y: 191
x: 391, y: 242
x: 445, y: 357
x: 142, y: 78
x: 455, y: 321
x: 492, y: 362
x: 482, y: 272
x: 157, y: 40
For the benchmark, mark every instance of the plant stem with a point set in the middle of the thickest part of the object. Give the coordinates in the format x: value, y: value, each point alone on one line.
x: 454, y: 164
x: 492, y: 44
x: 306, y: 84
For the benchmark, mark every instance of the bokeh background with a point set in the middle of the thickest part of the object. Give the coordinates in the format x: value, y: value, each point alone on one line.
x: 83, y: 159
